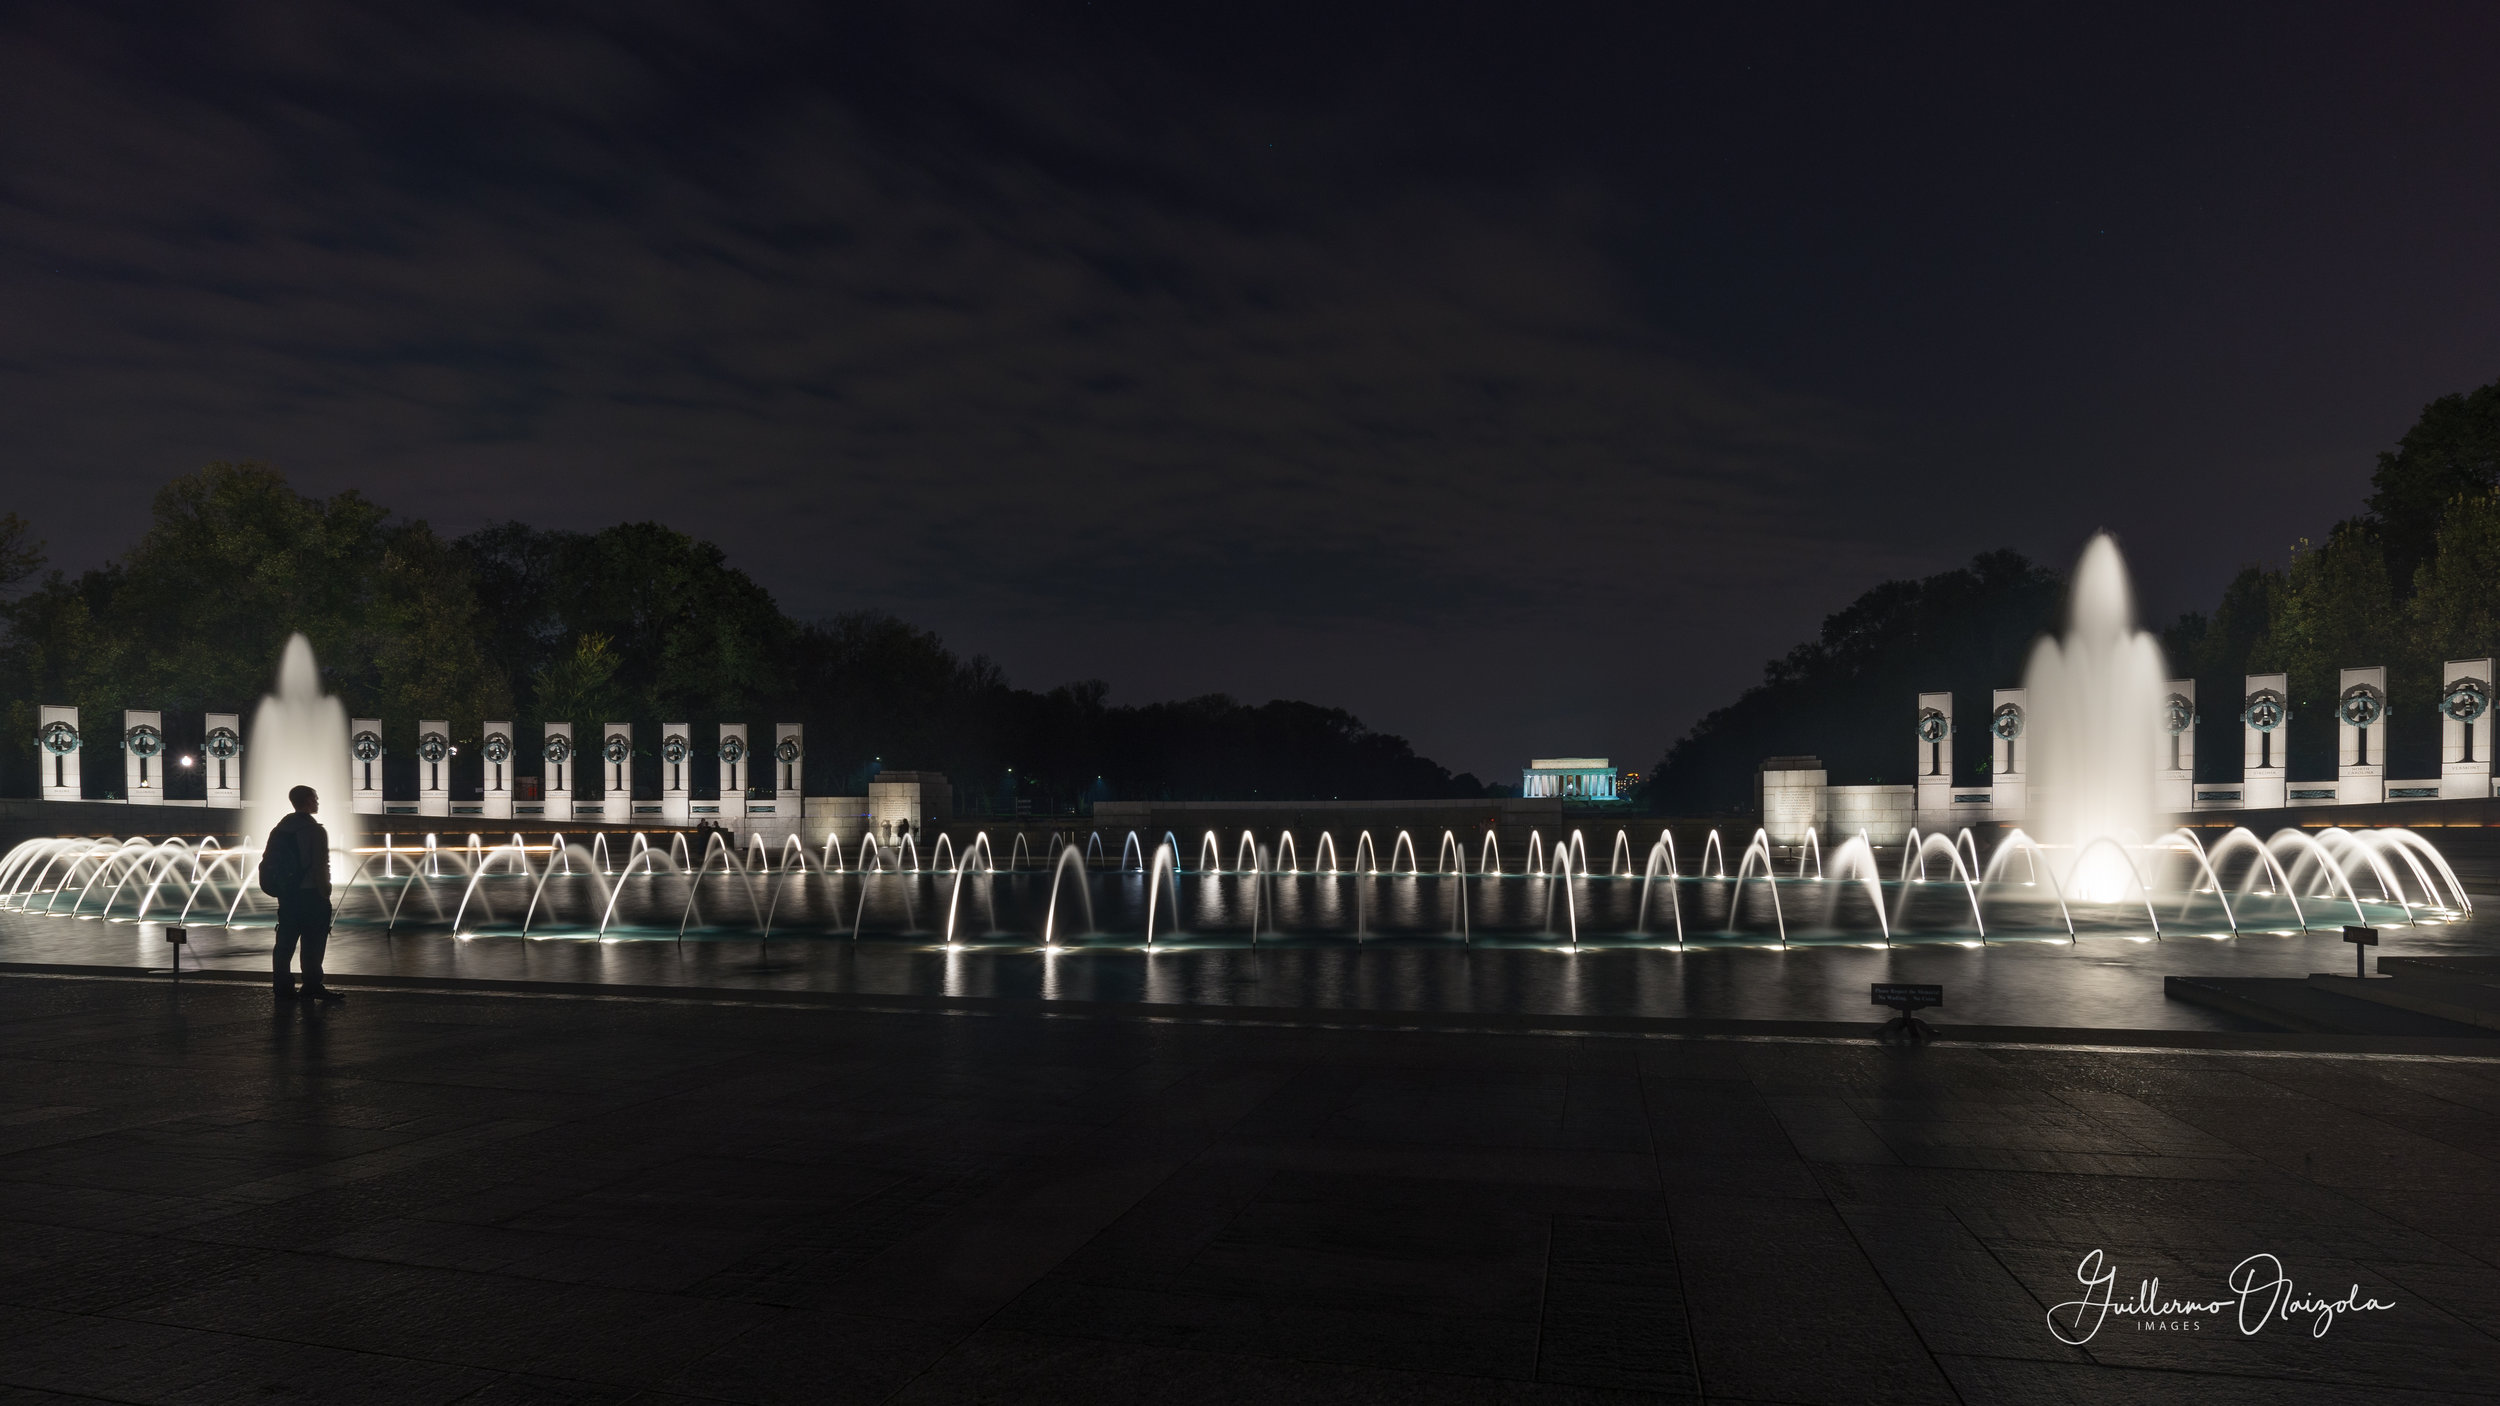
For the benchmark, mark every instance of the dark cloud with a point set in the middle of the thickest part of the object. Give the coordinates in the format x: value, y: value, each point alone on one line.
x: 1517, y: 379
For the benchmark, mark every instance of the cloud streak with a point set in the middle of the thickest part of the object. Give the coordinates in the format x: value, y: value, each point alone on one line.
x: 1335, y: 363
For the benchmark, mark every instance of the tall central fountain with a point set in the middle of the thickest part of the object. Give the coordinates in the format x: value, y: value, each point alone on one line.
x: 299, y: 738
x: 2095, y: 723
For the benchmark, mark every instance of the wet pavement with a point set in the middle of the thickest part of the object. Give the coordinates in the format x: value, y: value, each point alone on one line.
x: 2102, y: 982
x: 485, y: 1198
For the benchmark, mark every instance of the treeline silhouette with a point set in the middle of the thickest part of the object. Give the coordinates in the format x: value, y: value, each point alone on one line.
x: 637, y: 622
x: 1849, y: 696
x: 2411, y: 582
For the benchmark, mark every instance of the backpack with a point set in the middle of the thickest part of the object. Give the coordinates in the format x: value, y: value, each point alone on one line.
x: 281, y: 865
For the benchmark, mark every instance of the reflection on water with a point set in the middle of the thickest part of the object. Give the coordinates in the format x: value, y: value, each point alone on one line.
x: 2106, y: 981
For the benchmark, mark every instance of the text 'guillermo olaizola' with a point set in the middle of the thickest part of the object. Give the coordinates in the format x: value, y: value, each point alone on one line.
x: 2261, y: 1295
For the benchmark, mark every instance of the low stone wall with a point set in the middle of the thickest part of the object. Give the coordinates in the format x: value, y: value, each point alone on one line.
x: 1511, y: 819
x: 22, y: 820
x: 1883, y: 812
x: 1792, y: 799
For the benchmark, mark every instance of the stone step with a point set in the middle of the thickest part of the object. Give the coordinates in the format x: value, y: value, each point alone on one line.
x: 2465, y: 1002
x: 2291, y: 1003
x: 2480, y: 971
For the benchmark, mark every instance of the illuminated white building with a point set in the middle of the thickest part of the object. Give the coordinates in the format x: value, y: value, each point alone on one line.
x: 1572, y: 778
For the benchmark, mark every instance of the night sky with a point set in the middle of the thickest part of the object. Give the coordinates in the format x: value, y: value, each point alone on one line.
x: 1518, y: 377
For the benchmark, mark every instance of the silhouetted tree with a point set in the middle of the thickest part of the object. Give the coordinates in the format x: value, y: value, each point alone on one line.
x: 2215, y: 651
x: 2451, y: 452
x: 233, y: 561
x: 1849, y: 696
x: 2455, y: 610
x: 637, y: 622
x: 2333, y: 609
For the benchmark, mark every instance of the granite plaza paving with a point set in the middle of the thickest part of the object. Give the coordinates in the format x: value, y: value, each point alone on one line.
x: 517, y: 1194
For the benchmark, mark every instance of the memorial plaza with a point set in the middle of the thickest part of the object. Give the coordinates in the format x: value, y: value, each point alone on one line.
x: 514, y: 1191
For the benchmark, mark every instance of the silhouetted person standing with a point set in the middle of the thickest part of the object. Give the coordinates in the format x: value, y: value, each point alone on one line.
x: 297, y: 859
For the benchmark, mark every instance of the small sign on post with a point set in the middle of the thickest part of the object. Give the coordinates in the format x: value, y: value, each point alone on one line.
x: 1907, y: 997
x: 178, y: 938
x: 2360, y: 937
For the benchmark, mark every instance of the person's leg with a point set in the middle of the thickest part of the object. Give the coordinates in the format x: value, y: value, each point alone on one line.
x: 290, y: 926
x: 316, y: 940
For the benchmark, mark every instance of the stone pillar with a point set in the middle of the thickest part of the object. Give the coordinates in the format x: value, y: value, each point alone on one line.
x: 2174, y: 778
x: 676, y: 787
x: 2465, y: 729
x: 789, y: 746
x: 2009, y: 762
x: 364, y: 764
x: 143, y: 764
x: 557, y: 784
x: 57, y: 743
x: 2265, y: 731
x: 1935, y: 759
x: 733, y: 771
x: 616, y: 772
x: 494, y: 747
x: 2361, y: 736
x: 434, y: 766
x: 221, y: 760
